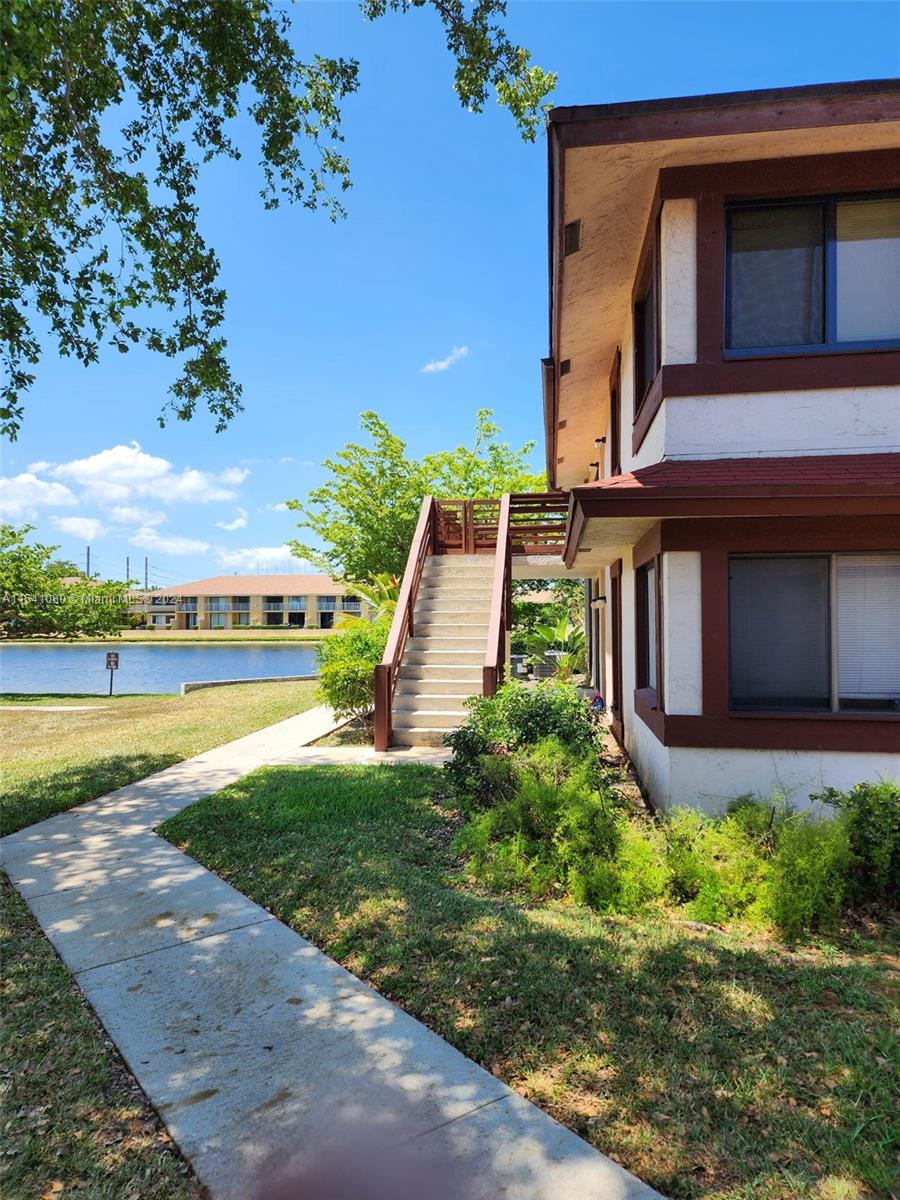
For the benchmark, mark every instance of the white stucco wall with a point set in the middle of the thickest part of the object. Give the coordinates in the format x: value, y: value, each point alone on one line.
x: 678, y: 279
x: 823, y: 421
x: 709, y: 779
x: 682, y: 638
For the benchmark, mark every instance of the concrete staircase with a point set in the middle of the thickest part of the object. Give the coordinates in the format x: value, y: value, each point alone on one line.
x: 442, y: 663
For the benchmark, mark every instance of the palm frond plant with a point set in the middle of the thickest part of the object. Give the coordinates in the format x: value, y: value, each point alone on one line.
x: 380, y: 593
x: 562, y: 643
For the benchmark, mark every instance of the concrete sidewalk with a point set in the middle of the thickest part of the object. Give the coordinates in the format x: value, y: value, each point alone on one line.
x: 256, y: 1048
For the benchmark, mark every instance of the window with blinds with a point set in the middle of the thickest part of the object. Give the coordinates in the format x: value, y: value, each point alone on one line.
x: 813, y: 632
x: 809, y: 274
x: 779, y: 634
x: 868, y: 630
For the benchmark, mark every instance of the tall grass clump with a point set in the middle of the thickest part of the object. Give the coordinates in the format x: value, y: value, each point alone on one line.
x: 545, y: 820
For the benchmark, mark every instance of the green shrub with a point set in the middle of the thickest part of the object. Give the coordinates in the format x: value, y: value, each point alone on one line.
x: 347, y: 661
x: 547, y: 815
x: 516, y: 716
x: 871, y: 812
x: 807, y: 879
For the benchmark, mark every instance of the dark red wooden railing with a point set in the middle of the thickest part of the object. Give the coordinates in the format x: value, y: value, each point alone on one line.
x: 538, y: 522
x: 403, y: 624
x: 501, y: 605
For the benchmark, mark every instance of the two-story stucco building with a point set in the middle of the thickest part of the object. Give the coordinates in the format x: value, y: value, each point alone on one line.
x: 722, y: 403
x: 722, y: 421
x: 249, y: 601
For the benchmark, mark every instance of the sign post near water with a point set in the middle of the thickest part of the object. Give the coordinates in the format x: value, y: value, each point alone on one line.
x: 112, y: 664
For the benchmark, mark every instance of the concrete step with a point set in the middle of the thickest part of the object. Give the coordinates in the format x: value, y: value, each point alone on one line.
x: 411, y: 702
x: 468, y: 623
x: 419, y: 737
x: 445, y: 565
x: 459, y: 589
x: 451, y: 608
x: 427, y: 718
x: 437, y: 683
x: 447, y: 641
x: 467, y: 673
x: 449, y: 658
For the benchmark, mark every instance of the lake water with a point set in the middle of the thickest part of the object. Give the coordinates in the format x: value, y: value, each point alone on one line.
x: 144, y: 668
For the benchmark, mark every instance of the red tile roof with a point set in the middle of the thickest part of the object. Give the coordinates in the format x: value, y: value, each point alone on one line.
x: 851, y: 472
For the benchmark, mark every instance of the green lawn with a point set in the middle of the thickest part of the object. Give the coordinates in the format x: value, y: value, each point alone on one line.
x: 710, y: 1064
x: 75, y: 1122
x: 52, y: 760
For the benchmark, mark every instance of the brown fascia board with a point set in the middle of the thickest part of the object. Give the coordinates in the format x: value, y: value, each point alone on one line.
x: 755, y: 111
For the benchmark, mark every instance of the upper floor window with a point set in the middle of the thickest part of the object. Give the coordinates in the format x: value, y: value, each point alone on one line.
x: 813, y: 274
x: 646, y: 329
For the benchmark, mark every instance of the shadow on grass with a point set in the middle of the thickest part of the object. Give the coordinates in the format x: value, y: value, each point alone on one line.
x: 706, y: 1064
x: 75, y: 1122
x: 28, y: 800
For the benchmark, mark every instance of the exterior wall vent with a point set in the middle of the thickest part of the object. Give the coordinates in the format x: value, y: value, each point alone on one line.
x: 562, y: 424
x: 572, y: 237
x: 565, y: 366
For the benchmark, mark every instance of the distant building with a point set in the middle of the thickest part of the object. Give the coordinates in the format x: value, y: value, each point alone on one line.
x: 249, y: 601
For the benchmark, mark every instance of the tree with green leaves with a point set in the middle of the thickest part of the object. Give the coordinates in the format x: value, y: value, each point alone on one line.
x: 99, y: 221
x: 42, y: 596
x: 363, y: 517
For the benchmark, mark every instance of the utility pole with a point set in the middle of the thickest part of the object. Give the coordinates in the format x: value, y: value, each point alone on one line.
x: 146, y: 574
x: 127, y: 572
x: 88, y: 563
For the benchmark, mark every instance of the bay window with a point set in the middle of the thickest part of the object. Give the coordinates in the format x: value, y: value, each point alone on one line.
x: 817, y: 632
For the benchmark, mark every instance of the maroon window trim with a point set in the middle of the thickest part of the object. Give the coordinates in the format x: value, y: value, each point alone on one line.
x: 718, y: 727
x: 615, y: 595
x: 647, y: 609
x: 646, y: 288
x: 615, y: 415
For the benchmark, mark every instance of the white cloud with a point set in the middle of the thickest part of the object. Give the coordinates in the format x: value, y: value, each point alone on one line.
x: 234, y: 475
x: 129, y: 514
x: 21, y: 494
x: 81, y: 527
x: 121, y: 473
x: 238, y: 523
x: 147, y: 538
x: 279, y: 507
x: 287, y: 458
x: 443, y: 364
x: 36, y: 467
x: 269, y: 557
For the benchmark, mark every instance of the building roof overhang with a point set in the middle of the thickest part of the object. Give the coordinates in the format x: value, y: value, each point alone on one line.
x: 623, y: 507
x: 604, y: 170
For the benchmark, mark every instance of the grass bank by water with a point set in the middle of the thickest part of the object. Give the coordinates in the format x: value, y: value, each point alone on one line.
x: 710, y: 1064
x: 54, y: 760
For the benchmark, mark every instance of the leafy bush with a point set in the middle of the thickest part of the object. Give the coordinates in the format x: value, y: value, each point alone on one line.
x: 554, y: 826
x: 548, y: 814
x: 516, y: 716
x: 871, y: 812
x: 806, y: 882
x: 347, y: 661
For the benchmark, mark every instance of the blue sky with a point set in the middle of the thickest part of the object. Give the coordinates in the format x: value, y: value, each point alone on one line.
x: 442, y: 257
